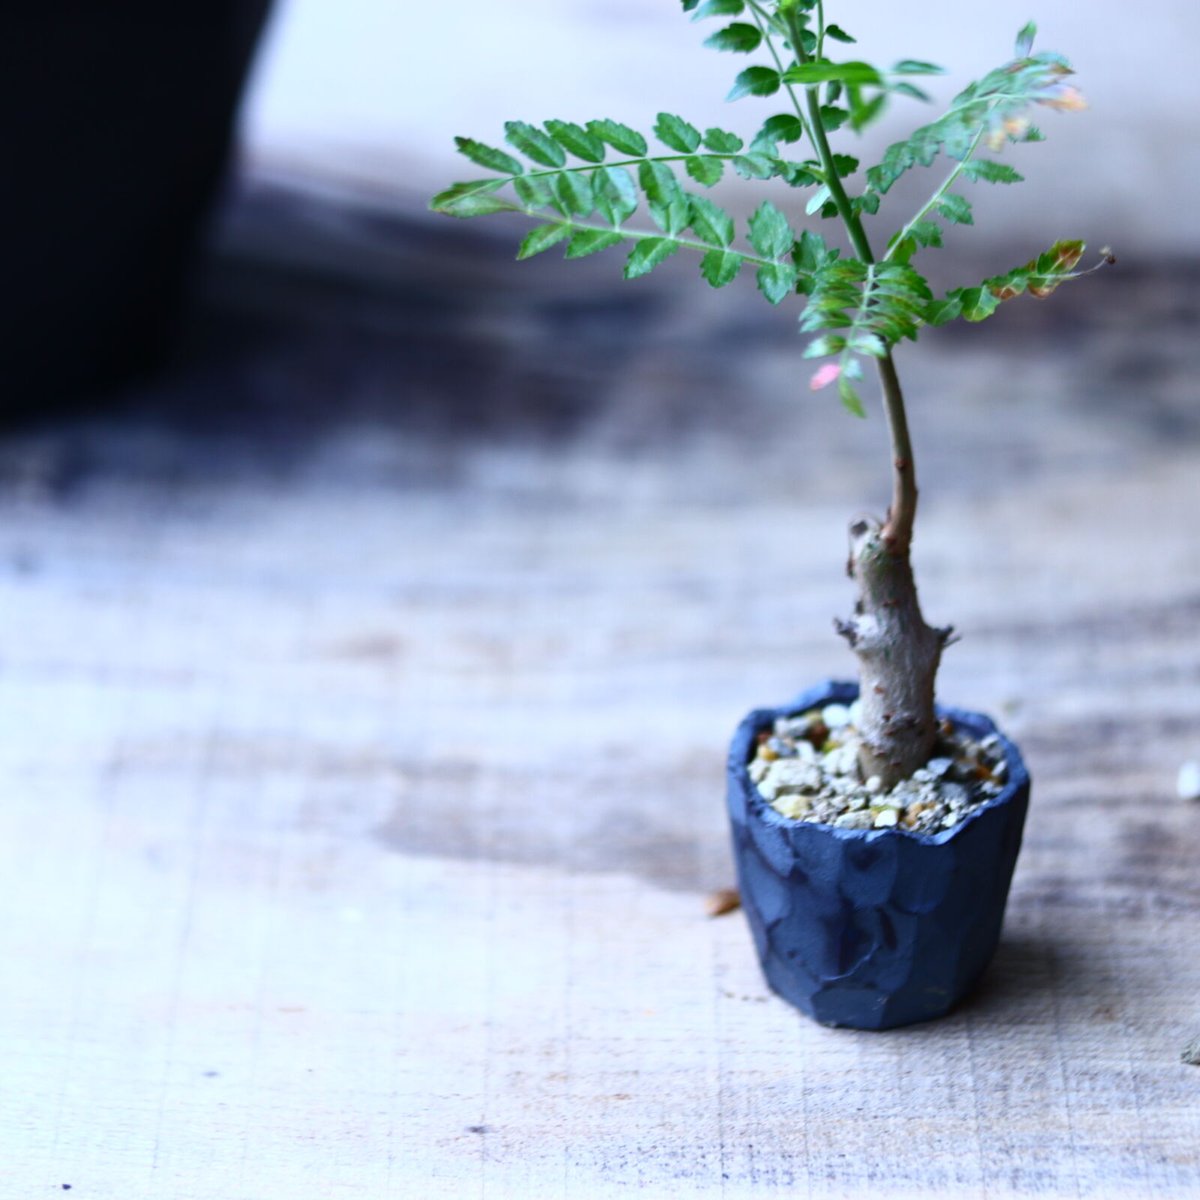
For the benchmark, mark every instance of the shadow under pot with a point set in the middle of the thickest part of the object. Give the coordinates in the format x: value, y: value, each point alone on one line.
x: 872, y: 928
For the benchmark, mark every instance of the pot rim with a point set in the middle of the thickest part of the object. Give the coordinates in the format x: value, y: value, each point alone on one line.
x: 833, y: 691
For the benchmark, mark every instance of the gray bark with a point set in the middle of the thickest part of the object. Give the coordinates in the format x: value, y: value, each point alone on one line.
x: 898, y: 656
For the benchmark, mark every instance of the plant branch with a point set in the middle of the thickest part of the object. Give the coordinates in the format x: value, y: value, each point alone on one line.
x: 932, y: 202
x: 762, y: 20
x: 898, y: 529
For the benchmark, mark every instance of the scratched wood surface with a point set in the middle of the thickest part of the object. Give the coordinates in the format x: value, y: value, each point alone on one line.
x: 363, y: 697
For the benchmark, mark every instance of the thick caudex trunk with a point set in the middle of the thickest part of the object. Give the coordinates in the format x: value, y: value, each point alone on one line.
x: 898, y: 657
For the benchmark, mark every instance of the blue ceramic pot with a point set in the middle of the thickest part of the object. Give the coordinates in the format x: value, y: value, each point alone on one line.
x: 876, y: 928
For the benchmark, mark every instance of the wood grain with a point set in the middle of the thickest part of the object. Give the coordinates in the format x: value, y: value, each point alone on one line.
x: 362, y: 745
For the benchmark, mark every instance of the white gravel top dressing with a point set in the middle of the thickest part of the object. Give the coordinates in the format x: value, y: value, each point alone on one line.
x: 807, y: 769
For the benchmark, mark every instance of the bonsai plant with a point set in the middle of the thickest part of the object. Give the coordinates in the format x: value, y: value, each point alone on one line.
x: 875, y: 898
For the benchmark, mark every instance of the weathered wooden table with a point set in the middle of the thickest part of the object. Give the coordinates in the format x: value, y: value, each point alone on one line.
x: 363, y: 700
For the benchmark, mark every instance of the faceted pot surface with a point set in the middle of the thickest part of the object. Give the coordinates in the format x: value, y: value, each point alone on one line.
x: 877, y: 928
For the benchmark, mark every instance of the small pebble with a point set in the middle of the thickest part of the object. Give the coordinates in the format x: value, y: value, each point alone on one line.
x: 835, y: 716
x: 885, y: 818
x: 1188, y: 782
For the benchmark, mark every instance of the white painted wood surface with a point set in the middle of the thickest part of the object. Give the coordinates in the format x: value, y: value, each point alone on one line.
x: 359, y: 811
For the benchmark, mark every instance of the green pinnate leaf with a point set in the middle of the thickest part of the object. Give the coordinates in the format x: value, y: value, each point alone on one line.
x: 488, y: 156
x: 614, y: 194
x: 776, y: 281
x: 591, y: 241
x: 721, y: 141
x: 542, y: 238
x: 755, y: 81
x: 704, y: 169
x: 534, y: 144
x: 619, y: 137
x: 647, y: 254
x: 720, y: 267
x: 677, y: 133
x: 770, y: 233
x: 577, y: 140
x: 738, y: 37
x: 711, y: 222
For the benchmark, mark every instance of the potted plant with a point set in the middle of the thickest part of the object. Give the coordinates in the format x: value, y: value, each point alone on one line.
x: 875, y: 833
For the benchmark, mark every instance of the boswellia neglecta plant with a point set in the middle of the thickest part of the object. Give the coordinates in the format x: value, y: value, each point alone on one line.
x: 584, y: 184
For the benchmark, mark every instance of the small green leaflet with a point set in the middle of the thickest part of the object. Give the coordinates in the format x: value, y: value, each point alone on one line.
x: 991, y: 171
x: 1024, y: 46
x: 783, y: 127
x: 912, y: 66
x: 711, y: 222
x: 676, y: 133
x: 572, y: 193
x: 488, y: 156
x: 717, y: 8
x: 755, y: 81
x: 853, y: 73
x: 738, y: 37
x: 577, y: 141
x: 590, y: 241
x: 542, y: 238
x: 659, y: 183
x: 534, y: 144
x: 978, y: 303
x: 471, y: 199
x: 533, y: 193
x: 838, y: 34
x: 720, y: 267
x: 851, y: 401
x: 619, y: 137
x: 721, y: 141
x: 770, y: 233
x: 956, y: 209
x: 827, y: 343
x: 614, y: 194
x: 754, y: 166
x: 704, y: 169
x: 647, y: 254
x: 776, y: 281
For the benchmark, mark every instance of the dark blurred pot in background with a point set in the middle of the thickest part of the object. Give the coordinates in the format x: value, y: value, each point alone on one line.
x: 118, y: 126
